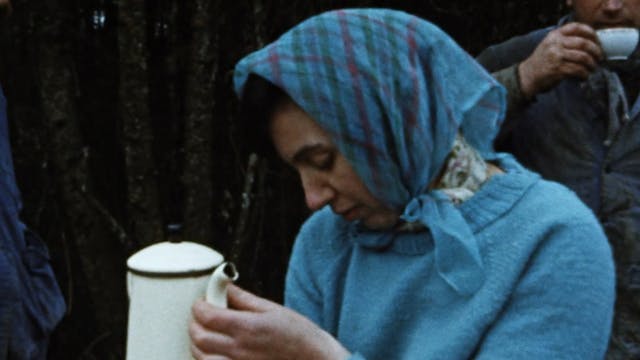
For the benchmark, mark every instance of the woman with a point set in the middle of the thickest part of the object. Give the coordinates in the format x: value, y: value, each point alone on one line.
x: 424, y: 243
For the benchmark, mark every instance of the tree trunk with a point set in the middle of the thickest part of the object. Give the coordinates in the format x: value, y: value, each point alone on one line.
x: 88, y: 229
x: 142, y: 181
x: 200, y: 120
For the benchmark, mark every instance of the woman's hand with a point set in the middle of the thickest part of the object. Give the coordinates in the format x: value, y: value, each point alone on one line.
x: 255, y: 328
x: 569, y: 51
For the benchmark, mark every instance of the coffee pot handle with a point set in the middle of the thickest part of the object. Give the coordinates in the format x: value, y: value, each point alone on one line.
x: 216, y: 293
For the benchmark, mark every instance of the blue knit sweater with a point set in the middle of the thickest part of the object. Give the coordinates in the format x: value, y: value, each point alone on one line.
x: 548, y: 292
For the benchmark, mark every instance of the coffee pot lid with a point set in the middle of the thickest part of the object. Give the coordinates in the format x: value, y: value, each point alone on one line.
x: 174, y: 258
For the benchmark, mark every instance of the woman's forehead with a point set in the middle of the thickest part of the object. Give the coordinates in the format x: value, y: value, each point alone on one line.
x: 293, y: 130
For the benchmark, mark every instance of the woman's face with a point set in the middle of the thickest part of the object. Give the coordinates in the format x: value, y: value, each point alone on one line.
x: 326, y: 175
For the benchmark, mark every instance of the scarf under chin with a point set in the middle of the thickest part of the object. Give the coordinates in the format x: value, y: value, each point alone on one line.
x: 465, y: 171
x: 462, y: 176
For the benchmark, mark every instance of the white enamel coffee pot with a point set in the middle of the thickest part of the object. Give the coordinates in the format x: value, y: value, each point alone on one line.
x: 163, y: 281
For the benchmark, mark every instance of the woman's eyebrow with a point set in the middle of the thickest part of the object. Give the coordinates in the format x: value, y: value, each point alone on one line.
x: 306, y: 151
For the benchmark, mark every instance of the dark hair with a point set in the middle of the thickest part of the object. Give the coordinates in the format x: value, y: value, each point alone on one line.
x: 258, y: 102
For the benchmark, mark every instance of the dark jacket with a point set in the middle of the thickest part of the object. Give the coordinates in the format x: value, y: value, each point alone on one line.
x: 561, y: 134
x: 31, y: 303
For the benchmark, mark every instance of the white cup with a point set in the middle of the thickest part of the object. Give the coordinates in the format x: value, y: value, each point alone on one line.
x: 618, y: 43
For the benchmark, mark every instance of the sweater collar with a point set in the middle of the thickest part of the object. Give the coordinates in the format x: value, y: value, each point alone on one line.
x: 499, y: 194
x: 489, y: 203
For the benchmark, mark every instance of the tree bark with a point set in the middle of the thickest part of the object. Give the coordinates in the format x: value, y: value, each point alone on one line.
x: 142, y: 182
x: 88, y: 229
x: 200, y: 121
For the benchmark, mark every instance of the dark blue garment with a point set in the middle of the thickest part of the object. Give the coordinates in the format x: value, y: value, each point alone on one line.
x: 31, y: 303
x: 562, y: 134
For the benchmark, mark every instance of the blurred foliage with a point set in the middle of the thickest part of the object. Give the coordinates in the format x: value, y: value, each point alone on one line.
x: 122, y: 119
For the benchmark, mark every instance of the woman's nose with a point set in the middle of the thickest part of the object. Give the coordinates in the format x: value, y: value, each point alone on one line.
x: 317, y: 192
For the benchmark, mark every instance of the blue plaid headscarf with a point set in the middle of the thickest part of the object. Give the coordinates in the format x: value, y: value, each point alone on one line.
x: 392, y: 90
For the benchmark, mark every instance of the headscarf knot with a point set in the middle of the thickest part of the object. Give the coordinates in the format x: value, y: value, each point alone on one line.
x: 457, y: 256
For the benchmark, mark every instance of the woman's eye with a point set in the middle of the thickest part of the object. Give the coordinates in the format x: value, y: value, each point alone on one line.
x: 323, y: 161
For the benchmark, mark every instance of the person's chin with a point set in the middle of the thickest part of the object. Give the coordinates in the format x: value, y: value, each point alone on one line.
x: 379, y: 223
x: 352, y: 214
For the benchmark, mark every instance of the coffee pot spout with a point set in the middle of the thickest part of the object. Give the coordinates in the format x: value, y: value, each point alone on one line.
x: 217, y: 288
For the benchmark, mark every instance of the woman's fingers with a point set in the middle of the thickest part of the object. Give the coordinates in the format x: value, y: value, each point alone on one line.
x: 209, y: 342
x: 255, y: 329
x: 215, y: 318
x: 240, y: 299
x: 199, y: 355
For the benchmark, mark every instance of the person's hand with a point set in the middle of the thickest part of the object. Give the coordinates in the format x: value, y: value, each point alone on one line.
x: 569, y: 51
x: 255, y: 328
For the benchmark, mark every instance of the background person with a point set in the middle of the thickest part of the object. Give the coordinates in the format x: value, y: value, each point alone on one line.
x: 424, y: 243
x: 575, y: 119
x: 31, y: 304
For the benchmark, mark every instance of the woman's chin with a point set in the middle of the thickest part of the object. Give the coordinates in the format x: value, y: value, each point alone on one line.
x: 380, y: 221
